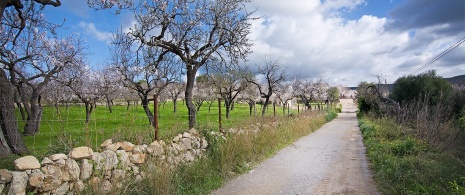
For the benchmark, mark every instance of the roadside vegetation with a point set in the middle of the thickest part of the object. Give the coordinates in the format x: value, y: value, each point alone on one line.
x: 417, y: 145
x: 228, y: 155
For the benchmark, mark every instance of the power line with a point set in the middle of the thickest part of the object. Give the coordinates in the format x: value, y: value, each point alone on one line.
x: 442, y: 54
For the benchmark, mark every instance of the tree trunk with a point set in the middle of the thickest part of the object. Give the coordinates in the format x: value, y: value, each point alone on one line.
x: 109, y: 104
x: 250, y: 108
x: 227, y: 105
x: 189, y: 94
x: 145, y: 105
x: 21, y: 110
x: 175, y: 108
x: 129, y: 103
x: 34, y: 115
x: 265, y: 105
x: 10, y: 140
x: 89, y: 109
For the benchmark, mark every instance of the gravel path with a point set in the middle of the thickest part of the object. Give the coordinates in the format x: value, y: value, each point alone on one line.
x: 328, y: 161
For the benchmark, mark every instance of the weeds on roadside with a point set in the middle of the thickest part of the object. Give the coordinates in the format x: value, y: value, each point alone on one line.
x: 404, y: 164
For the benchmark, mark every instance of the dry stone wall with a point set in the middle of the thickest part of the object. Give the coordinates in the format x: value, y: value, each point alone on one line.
x: 117, y: 162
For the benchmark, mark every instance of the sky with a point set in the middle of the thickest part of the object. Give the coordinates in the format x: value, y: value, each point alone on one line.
x: 341, y: 41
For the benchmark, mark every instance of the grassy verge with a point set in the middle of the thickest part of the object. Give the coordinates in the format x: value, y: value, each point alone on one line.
x: 403, y: 165
x: 227, y: 158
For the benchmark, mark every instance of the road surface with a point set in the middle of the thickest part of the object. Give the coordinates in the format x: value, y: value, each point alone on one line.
x: 329, y: 161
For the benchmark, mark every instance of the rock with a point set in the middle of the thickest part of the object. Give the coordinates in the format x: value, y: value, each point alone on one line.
x: 118, y: 175
x: 36, y: 179
x: 2, y: 187
x: 187, y: 143
x: 123, y: 158
x: 137, y: 158
x: 186, y: 135
x: 86, y: 169
x: 46, y: 161
x: 52, y: 177
x: 81, y: 153
x: 179, y: 147
x: 5, y: 176
x: 176, y: 139
x: 196, y: 144
x: 27, y: 162
x: 135, y: 170
x: 73, y: 169
x: 127, y: 146
x: 193, y: 131
x: 105, y: 187
x: 79, y: 186
x: 56, y: 157
x: 155, y: 149
x: 113, y: 147
x: 188, y: 157
x: 95, y: 180
x: 62, y: 189
x: 106, y: 143
x: 18, y: 182
x: 139, y: 149
x: 60, y: 162
x: 106, y: 160
x: 204, y: 143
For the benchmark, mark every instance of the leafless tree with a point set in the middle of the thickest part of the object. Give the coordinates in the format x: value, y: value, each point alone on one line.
x: 175, y: 91
x: 285, y: 93
x: 303, y: 88
x: 272, y: 74
x: 195, y: 31
x: 319, y: 91
x: 146, y: 70
x: 228, y: 82
x: 250, y: 95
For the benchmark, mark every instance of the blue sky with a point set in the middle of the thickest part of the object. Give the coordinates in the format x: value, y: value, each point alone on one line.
x: 341, y: 41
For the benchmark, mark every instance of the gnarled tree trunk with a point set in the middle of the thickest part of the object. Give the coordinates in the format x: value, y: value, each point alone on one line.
x: 192, y: 111
x: 10, y: 139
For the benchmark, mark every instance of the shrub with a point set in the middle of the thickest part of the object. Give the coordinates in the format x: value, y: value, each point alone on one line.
x: 418, y: 87
x: 330, y: 115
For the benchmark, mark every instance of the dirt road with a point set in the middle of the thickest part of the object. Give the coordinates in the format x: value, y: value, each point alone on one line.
x: 328, y: 161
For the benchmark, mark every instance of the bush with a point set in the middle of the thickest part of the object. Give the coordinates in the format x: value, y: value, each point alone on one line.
x: 418, y: 87
x: 330, y: 115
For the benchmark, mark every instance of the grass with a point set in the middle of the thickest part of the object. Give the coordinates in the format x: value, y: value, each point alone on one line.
x: 227, y: 158
x: 404, y: 165
x: 59, y: 132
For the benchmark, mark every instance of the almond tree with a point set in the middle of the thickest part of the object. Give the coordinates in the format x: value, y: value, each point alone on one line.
x: 272, y: 74
x: 320, y: 92
x: 110, y: 86
x: 146, y: 70
x: 175, y: 91
x: 85, y: 85
x: 285, y: 93
x: 10, y: 28
x: 304, y: 91
x: 228, y: 83
x: 195, y: 31
x: 250, y: 95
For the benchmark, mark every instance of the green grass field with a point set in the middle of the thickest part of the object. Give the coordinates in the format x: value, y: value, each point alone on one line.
x: 60, y: 132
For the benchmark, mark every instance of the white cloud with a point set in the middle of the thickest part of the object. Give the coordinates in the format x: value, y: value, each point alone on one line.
x: 313, y: 39
x: 90, y: 29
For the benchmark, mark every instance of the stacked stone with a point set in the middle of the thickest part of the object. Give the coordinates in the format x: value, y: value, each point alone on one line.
x: 66, y: 174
